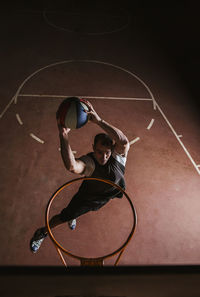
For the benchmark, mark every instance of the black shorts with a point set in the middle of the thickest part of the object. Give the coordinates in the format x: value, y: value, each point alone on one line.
x: 79, y: 206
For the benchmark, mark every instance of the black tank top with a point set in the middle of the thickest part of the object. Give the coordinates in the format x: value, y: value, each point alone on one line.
x: 99, y: 192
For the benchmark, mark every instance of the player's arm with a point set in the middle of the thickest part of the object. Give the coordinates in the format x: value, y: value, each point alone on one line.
x: 121, y: 141
x: 71, y: 163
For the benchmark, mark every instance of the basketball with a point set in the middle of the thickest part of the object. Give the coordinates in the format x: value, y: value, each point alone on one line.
x: 72, y: 113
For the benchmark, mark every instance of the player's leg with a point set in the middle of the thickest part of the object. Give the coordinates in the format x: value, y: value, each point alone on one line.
x: 75, y: 208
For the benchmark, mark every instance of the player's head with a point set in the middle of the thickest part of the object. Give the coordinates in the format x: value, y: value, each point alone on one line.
x: 103, y: 146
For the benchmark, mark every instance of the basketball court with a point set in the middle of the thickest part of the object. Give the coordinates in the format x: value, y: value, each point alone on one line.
x: 57, y: 51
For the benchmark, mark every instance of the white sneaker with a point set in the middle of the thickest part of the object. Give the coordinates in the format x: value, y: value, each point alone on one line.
x: 72, y: 224
x: 37, y: 240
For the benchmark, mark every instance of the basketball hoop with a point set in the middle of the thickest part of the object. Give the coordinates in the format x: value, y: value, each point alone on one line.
x: 99, y: 261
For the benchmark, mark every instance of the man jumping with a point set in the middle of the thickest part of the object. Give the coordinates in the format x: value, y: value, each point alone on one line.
x: 107, y: 161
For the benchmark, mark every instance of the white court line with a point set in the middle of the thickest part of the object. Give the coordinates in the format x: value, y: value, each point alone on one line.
x: 19, y: 119
x: 7, y: 106
x: 177, y: 137
x: 134, y: 140
x: 88, y: 97
x: 75, y: 61
x: 150, y: 124
x: 87, y: 61
x: 36, y: 138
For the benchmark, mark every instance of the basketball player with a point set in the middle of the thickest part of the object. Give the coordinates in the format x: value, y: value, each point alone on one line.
x: 107, y: 161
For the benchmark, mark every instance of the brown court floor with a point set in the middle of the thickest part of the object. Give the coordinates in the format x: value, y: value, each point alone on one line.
x: 52, y: 52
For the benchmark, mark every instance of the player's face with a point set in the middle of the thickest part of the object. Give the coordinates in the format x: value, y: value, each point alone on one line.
x: 101, y: 153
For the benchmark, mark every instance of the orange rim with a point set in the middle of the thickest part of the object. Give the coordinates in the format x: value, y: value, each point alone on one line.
x: 121, y: 248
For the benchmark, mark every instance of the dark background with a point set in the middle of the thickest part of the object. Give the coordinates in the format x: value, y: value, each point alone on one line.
x: 174, y: 26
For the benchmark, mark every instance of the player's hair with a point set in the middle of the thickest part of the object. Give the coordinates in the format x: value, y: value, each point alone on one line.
x: 104, y: 139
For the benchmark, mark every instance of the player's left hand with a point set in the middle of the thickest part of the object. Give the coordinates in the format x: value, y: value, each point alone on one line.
x: 92, y: 114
